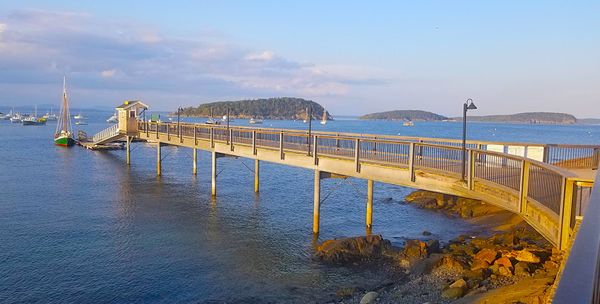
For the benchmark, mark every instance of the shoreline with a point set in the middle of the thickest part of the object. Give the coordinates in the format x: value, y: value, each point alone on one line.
x: 503, y: 261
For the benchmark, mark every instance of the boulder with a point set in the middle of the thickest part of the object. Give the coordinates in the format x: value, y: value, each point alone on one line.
x: 486, y: 254
x: 504, y: 261
x: 526, y: 256
x: 415, y: 249
x: 353, y: 249
x: 448, y: 262
x: 426, y: 233
x: 479, y: 264
x: 460, y: 283
x: 369, y: 297
x: 453, y: 293
x: 522, y: 269
x: 504, y: 271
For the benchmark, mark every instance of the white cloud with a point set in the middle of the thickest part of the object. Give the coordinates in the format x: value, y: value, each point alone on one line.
x: 108, y: 73
x: 2, y: 27
x: 263, y: 56
x: 35, y: 53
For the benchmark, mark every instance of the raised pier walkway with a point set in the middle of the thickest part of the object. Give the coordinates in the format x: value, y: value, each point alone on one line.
x: 547, y: 184
x: 547, y: 196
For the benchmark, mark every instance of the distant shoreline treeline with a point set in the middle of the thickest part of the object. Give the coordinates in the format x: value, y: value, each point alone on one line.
x: 265, y: 108
x: 530, y: 117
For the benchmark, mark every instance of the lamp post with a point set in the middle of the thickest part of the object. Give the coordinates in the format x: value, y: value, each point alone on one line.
x: 468, y: 105
x: 309, y: 118
x: 179, y: 110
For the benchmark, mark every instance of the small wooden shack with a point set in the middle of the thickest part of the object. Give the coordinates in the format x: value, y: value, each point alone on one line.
x: 129, y: 112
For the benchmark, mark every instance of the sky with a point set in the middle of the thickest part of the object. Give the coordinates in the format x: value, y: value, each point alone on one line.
x: 352, y: 57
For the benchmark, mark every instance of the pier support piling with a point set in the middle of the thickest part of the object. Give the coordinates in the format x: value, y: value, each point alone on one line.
x: 317, y: 202
x: 369, y: 218
x: 128, y: 140
x: 214, y: 174
x: 256, y: 175
x: 158, y: 158
x: 195, y: 161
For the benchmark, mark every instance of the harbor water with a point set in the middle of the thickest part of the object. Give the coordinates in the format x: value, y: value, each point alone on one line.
x: 79, y: 226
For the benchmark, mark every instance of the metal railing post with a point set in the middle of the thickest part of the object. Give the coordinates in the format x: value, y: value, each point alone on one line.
x: 231, y: 139
x: 357, y: 154
x: 157, y: 130
x: 524, y: 186
x: 168, y: 132
x: 565, y: 213
x: 471, y: 171
x: 546, y: 153
x: 281, y: 155
x: 315, y: 149
x: 212, y: 137
x: 253, y: 142
x: 195, y: 135
x: 411, y: 161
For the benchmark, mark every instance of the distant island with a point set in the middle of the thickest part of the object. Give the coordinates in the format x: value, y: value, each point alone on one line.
x: 266, y: 108
x: 529, y: 117
x: 412, y: 115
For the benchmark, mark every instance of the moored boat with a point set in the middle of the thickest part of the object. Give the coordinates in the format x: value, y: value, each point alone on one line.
x: 253, y: 121
x: 63, y: 135
x: 324, y: 119
x: 113, y: 119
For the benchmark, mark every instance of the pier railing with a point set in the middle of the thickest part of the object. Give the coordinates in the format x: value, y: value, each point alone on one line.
x: 106, y: 133
x: 547, y: 196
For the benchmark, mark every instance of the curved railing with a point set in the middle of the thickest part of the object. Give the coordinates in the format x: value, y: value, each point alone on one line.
x: 549, y: 197
x: 580, y: 280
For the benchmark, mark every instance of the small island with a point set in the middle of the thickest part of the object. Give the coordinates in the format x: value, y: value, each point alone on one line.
x: 406, y: 115
x: 528, y: 117
x: 265, y: 108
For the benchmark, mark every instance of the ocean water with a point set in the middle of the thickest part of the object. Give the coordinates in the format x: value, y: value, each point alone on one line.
x: 79, y: 226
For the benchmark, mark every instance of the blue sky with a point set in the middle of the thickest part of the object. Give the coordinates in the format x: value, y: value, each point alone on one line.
x: 352, y: 57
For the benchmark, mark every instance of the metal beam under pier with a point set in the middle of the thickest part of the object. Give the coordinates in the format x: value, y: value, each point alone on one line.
x: 214, y: 174
x: 158, y: 158
x: 256, y: 175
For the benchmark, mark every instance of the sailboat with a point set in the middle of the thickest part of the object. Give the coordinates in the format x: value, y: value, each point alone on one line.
x: 324, y: 119
x: 50, y: 116
x: 113, y: 119
x: 63, y: 135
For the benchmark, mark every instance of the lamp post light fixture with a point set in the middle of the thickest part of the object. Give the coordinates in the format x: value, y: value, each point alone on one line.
x: 468, y: 105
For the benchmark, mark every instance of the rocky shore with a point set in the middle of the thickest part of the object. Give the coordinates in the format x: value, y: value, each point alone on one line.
x: 506, y: 262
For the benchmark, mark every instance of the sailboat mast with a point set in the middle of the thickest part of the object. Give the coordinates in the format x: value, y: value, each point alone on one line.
x: 65, y: 106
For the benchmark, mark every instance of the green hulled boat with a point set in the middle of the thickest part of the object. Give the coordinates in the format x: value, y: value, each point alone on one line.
x: 63, y: 135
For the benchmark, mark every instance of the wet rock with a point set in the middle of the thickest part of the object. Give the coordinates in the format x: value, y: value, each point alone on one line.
x: 453, y: 293
x: 349, y: 250
x: 369, y: 298
x: 526, y: 256
x: 486, y: 254
x: 426, y: 233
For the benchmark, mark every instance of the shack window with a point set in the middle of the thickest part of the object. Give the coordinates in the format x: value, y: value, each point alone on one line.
x: 132, y: 114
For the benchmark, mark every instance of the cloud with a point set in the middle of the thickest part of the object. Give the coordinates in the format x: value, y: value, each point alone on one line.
x: 108, y: 73
x: 263, y: 56
x: 38, y: 47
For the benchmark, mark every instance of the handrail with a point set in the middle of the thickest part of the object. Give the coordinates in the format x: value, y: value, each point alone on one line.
x: 106, y: 133
x: 544, y: 191
x: 580, y: 280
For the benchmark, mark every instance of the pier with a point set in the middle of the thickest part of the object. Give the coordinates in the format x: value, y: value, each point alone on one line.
x: 547, y: 184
